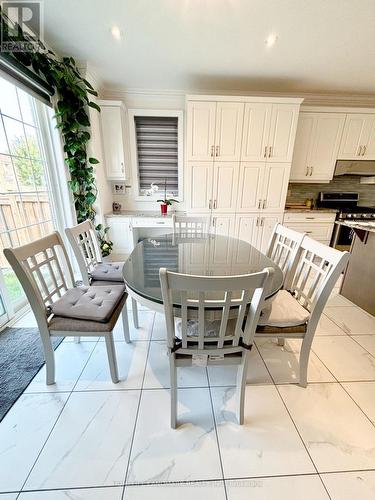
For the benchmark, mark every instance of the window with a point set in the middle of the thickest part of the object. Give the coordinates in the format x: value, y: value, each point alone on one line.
x: 157, y: 150
x: 26, y: 213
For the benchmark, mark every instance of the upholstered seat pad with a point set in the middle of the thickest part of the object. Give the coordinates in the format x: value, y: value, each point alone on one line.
x: 284, y: 311
x: 108, y: 271
x: 94, y: 303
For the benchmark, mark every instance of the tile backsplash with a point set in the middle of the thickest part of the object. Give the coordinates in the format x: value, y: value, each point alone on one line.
x: 298, y: 192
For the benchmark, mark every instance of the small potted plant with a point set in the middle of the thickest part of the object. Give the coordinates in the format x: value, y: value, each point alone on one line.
x: 105, y: 244
x: 166, y: 201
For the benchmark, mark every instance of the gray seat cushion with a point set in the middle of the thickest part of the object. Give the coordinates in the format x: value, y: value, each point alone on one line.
x: 108, y: 271
x: 94, y: 303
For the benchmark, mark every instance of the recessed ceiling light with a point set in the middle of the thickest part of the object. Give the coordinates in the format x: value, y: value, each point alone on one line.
x: 116, y: 32
x: 271, y: 40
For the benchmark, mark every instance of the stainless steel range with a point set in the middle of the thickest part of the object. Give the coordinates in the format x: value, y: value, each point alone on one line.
x: 348, y: 209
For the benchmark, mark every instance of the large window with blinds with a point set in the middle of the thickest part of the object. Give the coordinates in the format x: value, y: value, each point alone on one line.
x: 157, y: 145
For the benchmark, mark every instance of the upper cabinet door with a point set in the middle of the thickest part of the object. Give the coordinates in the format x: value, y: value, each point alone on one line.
x: 113, y: 144
x: 250, y: 186
x: 199, y: 186
x: 225, y: 185
x: 255, y: 131
x: 368, y: 152
x: 201, y: 130
x: 325, y: 145
x: 353, y: 137
x: 282, y: 132
x: 275, y: 186
x: 302, y: 147
x: 229, y: 118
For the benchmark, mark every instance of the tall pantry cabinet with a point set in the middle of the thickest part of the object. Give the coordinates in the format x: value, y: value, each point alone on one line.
x: 239, y: 153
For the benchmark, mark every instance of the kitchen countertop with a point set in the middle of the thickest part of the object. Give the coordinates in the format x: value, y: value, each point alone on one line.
x: 365, y: 226
x: 303, y: 210
x: 141, y: 213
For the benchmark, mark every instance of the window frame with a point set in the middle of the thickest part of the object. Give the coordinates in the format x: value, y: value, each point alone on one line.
x: 175, y: 113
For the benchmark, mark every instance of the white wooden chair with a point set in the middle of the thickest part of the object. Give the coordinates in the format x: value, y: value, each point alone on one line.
x: 60, y: 309
x: 190, y: 226
x: 84, y: 242
x: 222, y: 341
x: 283, y: 248
x: 295, y: 313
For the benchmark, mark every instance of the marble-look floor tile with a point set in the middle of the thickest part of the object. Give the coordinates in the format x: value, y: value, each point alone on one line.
x: 327, y: 327
x: 226, y: 375
x: 277, y: 488
x: 349, y: 485
x: 90, y: 443
x: 338, y: 300
x: 23, y: 433
x: 163, y: 454
x: 335, y: 431
x: 146, y: 320
x: 347, y: 360
x: 8, y: 496
x: 131, y: 362
x: 266, y: 444
x: 70, y: 359
x: 157, y: 370
x: 159, y: 331
x: 114, y: 493
x: 352, y: 319
x: 212, y: 490
x: 26, y: 321
x: 363, y: 394
x: 367, y: 342
x: 283, y: 362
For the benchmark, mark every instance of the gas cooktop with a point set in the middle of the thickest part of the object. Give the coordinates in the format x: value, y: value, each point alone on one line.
x: 347, y: 206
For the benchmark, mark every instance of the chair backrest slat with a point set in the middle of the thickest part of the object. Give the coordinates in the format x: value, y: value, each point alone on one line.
x: 86, y: 248
x: 283, y: 248
x: 191, y: 227
x: 214, y: 308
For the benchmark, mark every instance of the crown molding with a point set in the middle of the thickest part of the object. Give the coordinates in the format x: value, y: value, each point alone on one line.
x: 310, y: 98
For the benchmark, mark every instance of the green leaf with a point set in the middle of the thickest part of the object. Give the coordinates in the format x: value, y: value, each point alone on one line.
x: 94, y: 105
x: 93, y: 161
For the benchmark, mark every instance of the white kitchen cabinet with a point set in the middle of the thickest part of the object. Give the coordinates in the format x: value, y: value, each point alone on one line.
x: 283, y: 125
x: 225, y: 184
x: 267, y: 224
x: 316, y: 146
x: 112, y: 118
x: 358, y: 139
x: 262, y: 186
x: 247, y: 228
x: 255, y: 131
x: 201, y: 130
x: 120, y: 234
x: 229, y: 118
x: 222, y: 225
x: 316, y: 223
x: 256, y: 229
x: 198, y: 181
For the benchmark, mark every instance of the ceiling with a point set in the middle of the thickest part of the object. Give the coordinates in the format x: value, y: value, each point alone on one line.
x: 323, y: 46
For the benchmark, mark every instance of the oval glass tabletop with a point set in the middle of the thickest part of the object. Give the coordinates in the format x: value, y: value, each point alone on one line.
x: 205, y: 255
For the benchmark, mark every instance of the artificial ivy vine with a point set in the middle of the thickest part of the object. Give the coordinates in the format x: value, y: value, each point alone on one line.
x: 71, y: 98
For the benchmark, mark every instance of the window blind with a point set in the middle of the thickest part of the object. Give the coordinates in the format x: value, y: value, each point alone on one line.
x: 157, y: 148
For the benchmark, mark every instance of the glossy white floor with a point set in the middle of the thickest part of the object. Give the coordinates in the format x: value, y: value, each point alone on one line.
x: 88, y: 439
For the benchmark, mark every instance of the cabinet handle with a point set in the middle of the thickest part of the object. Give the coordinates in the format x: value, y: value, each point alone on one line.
x: 259, y: 204
x: 213, y: 221
x: 307, y: 171
x: 212, y: 150
x: 270, y: 152
x: 217, y: 150
x: 265, y: 152
x: 215, y: 204
x: 264, y: 203
x: 364, y: 150
x: 308, y: 232
x: 311, y: 171
x: 262, y: 221
x: 122, y: 167
x: 257, y: 221
x: 359, y: 151
x: 210, y: 204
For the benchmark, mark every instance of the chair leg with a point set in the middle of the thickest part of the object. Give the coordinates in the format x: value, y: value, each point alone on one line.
x: 304, y: 362
x: 135, y: 313
x: 173, y: 376
x: 49, y: 356
x: 241, y: 386
x: 111, y: 353
x: 125, y: 324
x: 77, y: 340
x: 281, y: 342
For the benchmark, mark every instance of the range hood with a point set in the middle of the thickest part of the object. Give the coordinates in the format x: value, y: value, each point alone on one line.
x: 355, y: 167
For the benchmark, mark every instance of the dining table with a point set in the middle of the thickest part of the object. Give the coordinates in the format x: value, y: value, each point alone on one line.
x: 199, y: 255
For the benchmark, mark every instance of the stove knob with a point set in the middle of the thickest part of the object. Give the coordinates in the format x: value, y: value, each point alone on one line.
x: 350, y: 216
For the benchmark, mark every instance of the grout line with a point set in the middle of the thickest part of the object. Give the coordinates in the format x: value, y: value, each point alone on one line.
x: 54, y: 425
x: 137, y: 413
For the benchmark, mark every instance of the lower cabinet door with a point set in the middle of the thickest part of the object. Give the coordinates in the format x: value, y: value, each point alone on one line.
x: 222, y: 225
x: 119, y: 233
x: 266, y: 227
